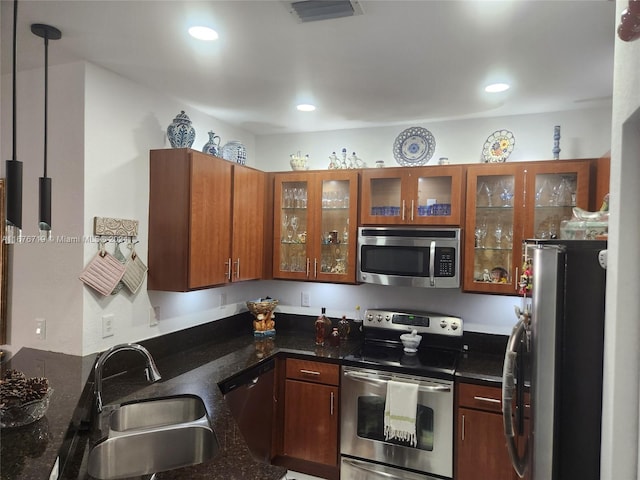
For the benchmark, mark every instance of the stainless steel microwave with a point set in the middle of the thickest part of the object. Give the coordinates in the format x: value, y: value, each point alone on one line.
x: 409, y: 257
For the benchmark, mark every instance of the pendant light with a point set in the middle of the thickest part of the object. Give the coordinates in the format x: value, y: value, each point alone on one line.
x: 13, y: 227
x: 44, y: 213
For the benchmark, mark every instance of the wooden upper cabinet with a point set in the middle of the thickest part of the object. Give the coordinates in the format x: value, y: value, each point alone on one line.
x: 192, y: 216
x: 511, y: 202
x: 412, y: 196
x: 315, y: 226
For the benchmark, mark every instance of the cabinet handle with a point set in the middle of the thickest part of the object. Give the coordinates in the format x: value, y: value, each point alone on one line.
x: 516, y: 281
x: 315, y: 268
x: 309, y: 372
x: 412, y: 210
x: 462, y: 428
x: 308, y: 266
x: 332, y: 403
x: 487, y: 399
x: 237, y: 262
x: 403, y: 207
x: 228, y: 265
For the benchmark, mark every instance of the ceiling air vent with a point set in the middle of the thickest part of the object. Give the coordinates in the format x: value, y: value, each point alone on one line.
x: 312, y: 10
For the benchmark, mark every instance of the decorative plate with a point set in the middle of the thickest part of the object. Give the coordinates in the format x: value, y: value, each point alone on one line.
x: 414, y: 147
x: 498, y: 146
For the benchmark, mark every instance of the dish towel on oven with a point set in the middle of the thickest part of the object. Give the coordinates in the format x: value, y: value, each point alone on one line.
x: 400, y: 412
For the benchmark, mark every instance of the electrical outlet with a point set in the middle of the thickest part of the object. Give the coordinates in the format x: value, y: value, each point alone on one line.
x: 41, y: 329
x: 107, y: 325
x: 154, y: 316
x: 306, y: 301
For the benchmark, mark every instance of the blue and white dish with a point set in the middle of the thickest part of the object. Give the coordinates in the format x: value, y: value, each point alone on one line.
x: 498, y: 146
x: 414, y: 147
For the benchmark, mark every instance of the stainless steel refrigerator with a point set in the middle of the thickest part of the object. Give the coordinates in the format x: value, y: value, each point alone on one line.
x: 556, y: 353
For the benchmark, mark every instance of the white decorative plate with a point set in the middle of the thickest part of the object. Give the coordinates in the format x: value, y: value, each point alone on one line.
x: 414, y: 147
x: 498, y: 146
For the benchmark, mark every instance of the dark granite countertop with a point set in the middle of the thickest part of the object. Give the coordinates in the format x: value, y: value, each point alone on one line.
x: 188, y: 365
x: 30, y: 452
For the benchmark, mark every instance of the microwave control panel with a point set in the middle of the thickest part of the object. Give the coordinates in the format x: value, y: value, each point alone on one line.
x: 445, y: 262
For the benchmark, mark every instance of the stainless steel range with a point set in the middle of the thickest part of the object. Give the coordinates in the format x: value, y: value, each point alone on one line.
x: 365, y: 453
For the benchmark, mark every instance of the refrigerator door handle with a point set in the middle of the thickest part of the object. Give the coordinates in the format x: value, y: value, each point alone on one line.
x: 508, y: 386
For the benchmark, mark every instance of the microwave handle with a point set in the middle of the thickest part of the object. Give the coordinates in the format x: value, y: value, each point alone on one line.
x: 432, y: 259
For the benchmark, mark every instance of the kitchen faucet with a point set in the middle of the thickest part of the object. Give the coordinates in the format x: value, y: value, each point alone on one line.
x: 152, y: 373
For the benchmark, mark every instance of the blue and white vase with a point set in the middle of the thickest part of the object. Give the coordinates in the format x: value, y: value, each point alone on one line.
x: 180, y: 133
x: 234, y: 151
x: 212, y: 147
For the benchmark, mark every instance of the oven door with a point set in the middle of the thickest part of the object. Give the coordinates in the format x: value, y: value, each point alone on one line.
x: 363, y: 395
x: 355, y: 469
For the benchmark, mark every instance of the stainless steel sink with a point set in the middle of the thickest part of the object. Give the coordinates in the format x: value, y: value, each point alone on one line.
x: 157, y: 413
x: 154, y: 436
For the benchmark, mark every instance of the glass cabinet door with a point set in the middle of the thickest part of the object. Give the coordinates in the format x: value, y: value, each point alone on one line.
x: 493, y: 229
x: 436, y: 197
x: 554, y: 189
x: 382, y: 197
x: 292, y: 224
x: 335, y: 233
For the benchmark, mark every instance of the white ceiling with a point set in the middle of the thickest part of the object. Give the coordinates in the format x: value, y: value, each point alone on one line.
x: 399, y: 62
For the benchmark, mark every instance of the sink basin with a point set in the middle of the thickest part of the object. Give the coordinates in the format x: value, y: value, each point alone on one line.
x: 157, y: 413
x: 154, y: 436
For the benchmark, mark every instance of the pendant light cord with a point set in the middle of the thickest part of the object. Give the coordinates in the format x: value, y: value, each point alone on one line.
x: 15, y: 51
x: 46, y: 98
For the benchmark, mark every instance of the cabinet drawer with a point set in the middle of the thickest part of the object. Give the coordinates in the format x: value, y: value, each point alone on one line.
x: 318, y: 372
x: 487, y: 398
x: 480, y: 397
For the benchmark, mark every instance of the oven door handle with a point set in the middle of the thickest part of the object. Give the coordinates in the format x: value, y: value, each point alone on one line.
x: 384, y: 379
x: 365, y: 467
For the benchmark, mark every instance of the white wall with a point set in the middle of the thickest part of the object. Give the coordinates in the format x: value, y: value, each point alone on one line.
x: 584, y: 134
x: 44, y: 281
x: 123, y: 121
x: 622, y: 332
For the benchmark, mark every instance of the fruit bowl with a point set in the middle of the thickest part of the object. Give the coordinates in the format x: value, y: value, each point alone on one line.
x: 262, y: 306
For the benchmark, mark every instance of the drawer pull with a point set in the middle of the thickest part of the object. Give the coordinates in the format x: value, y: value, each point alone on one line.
x: 309, y: 372
x: 487, y: 399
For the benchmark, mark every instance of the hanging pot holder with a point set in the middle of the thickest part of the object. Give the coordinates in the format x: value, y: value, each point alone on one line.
x: 103, y: 272
x: 121, y: 258
x: 135, y: 271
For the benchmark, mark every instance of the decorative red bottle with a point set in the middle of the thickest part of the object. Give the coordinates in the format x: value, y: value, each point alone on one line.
x: 323, y: 328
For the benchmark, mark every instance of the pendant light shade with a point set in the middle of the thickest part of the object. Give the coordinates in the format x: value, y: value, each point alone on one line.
x: 44, y: 212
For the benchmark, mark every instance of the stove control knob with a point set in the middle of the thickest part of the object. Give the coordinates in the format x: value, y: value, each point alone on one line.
x: 387, y: 318
x: 454, y: 326
x: 379, y: 317
x: 370, y: 317
x: 443, y: 323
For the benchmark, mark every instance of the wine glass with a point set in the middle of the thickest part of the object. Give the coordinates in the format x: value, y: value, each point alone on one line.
x: 481, y: 234
x: 484, y: 196
x: 285, y: 224
x: 506, y: 195
x: 294, y: 225
x: 497, y: 233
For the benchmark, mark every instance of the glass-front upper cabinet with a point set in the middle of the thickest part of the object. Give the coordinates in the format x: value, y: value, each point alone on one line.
x: 510, y: 202
x: 493, y: 230
x: 412, y: 196
x: 315, y: 237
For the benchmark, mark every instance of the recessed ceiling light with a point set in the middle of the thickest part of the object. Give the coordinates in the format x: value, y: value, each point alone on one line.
x: 496, y: 87
x: 306, y: 107
x: 203, y: 33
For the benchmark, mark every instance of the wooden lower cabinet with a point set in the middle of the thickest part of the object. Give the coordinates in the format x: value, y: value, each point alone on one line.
x: 481, y: 450
x: 308, y: 441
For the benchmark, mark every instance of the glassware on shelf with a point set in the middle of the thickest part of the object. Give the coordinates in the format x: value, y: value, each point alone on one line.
x: 497, y: 234
x: 564, y: 196
x: 508, y: 237
x: 481, y: 234
x: 506, y: 193
x: 484, y: 196
x: 294, y: 225
x: 285, y: 225
x: 544, y: 195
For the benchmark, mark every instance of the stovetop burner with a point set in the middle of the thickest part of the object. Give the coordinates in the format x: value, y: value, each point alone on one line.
x: 437, y: 355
